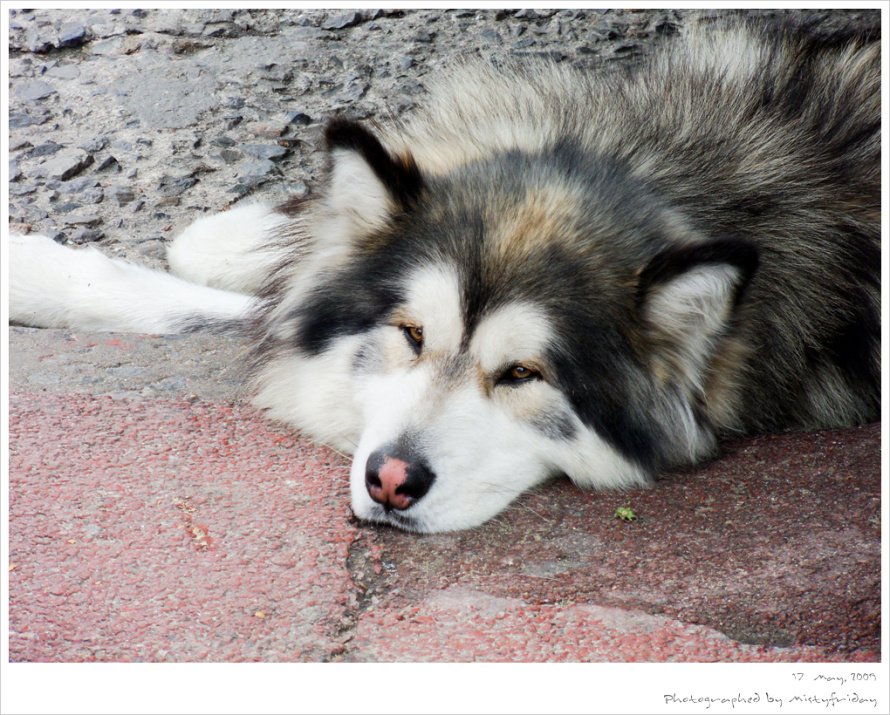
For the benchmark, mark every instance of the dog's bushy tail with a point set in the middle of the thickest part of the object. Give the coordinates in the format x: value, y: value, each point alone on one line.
x: 52, y: 286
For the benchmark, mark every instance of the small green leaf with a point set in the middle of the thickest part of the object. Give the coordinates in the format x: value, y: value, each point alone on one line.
x: 625, y: 513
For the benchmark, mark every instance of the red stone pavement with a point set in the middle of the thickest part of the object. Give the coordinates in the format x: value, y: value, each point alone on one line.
x: 151, y: 530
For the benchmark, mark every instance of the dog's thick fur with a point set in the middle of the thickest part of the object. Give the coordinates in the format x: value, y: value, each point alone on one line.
x: 548, y: 271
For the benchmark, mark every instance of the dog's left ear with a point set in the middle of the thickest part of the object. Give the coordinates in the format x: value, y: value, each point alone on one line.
x: 687, y: 295
x: 367, y: 183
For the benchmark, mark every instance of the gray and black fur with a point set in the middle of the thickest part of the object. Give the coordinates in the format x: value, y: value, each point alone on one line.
x: 753, y: 147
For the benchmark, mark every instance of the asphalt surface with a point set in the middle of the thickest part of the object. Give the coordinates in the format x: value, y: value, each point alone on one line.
x: 156, y: 517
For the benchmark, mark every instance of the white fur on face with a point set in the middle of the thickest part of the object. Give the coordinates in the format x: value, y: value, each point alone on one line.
x: 315, y: 393
x: 514, y: 333
x: 481, y: 457
x: 433, y: 303
x: 483, y: 441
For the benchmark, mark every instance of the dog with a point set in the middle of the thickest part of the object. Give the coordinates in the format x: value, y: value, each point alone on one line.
x: 546, y: 271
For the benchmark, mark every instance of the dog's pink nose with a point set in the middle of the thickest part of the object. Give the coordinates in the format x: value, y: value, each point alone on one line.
x: 396, y: 483
x: 385, y: 488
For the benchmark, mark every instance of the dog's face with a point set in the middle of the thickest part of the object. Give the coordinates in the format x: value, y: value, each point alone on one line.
x: 469, y: 335
x: 458, y: 420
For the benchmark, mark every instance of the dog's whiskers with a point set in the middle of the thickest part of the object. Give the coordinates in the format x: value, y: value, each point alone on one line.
x: 329, y: 446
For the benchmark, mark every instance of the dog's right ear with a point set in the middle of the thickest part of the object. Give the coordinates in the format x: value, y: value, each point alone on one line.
x: 367, y: 184
x: 687, y: 296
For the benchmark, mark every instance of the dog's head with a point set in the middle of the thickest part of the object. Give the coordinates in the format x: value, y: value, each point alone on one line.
x: 469, y: 333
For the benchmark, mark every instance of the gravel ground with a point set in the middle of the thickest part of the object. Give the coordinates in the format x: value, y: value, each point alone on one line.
x: 125, y: 125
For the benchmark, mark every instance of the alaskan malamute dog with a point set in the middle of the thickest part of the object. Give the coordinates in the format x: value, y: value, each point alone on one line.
x: 547, y: 271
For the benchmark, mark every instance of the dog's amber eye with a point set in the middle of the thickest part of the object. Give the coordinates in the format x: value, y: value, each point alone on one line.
x: 414, y: 335
x: 519, y: 374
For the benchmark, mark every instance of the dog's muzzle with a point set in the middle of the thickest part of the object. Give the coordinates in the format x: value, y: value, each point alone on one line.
x: 396, y: 480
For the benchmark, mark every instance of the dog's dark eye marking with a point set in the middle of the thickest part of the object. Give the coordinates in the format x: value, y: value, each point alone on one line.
x: 414, y: 335
x: 518, y: 374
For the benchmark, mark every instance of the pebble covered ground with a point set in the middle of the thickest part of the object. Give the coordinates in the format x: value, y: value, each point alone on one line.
x: 173, y: 534
x: 127, y: 124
